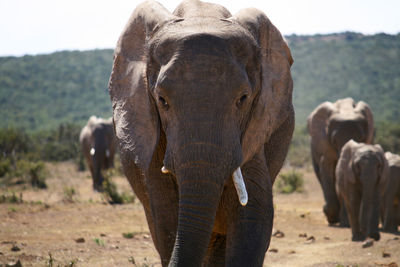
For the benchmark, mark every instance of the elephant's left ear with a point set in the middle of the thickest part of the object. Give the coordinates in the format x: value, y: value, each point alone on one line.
x: 273, y: 108
x: 364, y: 109
x: 385, y: 166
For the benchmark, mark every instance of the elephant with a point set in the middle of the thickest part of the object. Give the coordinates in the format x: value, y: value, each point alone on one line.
x: 390, y: 195
x: 361, y: 172
x: 203, y: 115
x: 330, y: 126
x: 98, y: 147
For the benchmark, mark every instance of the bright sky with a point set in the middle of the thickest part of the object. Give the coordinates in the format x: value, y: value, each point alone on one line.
x: 45, y: 26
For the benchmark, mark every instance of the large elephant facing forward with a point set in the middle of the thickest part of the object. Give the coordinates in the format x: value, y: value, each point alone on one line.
x: 330, y: 126
x: 390, y: 199
x: 98, y: 147
x: 203, y: 116
x: 361, y: 173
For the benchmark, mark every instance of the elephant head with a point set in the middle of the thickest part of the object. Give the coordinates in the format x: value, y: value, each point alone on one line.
x: 361, y: 173
x: 390, y: 195
x: 98, y: 146
x: 330, y: 126
x: 201, y: 92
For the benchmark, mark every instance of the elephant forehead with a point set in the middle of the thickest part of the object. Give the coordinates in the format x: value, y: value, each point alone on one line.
x: 348, y: 117
x: 367, y: 151
x: 209, y: 36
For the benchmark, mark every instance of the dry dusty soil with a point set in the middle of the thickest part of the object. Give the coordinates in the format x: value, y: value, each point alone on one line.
x: 54, y: 227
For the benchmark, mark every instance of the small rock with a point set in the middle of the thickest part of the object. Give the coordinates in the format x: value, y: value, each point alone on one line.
x: 292, y: 252
x: 278, y: 234
x: 17, y: 264
x: 310, y: 240
x: 303, y: 235
x: 396, y: 238
x: 303, y: 215
x: 385, y: 254
x: 103, y: 235
x: 80, y: 240
x: 1, y: 253
x: 273, y: 250
x: 146, y: 236
x: 368, y: 243
x: 327, y: 238
x: 15, y: 248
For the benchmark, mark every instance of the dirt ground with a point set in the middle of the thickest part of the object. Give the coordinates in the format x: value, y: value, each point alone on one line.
x: 54, y: 227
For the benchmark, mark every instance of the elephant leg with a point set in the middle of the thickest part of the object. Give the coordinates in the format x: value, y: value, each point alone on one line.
x: 374, y: 232
x: 316, y: 167
x: 389, y: 210
x: 353, y: 210
x: 249, y: 228
x: 344, y: 220
x: 332, y: 206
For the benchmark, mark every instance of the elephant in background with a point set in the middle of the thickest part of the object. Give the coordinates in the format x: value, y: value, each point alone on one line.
x: 203, y: 116
x: 390, y: 197
x: 330, y: 126
x: 361, y: 172
x: 98, y: 147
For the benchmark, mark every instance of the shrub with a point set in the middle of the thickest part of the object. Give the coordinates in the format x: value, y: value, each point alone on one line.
x: 69, y: 193
x: 112, y: 196
x: 290, y: 182
x: 5, y: 167
x: 32, y: 172
x: 11, y: 198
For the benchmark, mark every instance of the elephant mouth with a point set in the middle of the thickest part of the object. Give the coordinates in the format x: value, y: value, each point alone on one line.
x: 238, y: 182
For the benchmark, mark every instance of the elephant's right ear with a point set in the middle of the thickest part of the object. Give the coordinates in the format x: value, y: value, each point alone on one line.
x: 135, y: 116
x: 363, y: 108
x: 317, y: 124
x: 345, y: 168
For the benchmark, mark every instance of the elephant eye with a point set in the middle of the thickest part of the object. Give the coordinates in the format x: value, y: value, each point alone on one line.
x: 163, y: 102
x: 241, y: 100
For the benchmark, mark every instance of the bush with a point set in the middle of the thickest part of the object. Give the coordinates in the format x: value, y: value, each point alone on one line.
x: 112, y: 196
x: 32, y: 172
x: 5, y: 167
x: 290, y: 182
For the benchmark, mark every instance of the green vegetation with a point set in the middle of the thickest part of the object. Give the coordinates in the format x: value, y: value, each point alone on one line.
x: 69, y: 194
x: 129, y: 235
x: 46, y: 99
x: 289, y: 182
x: 11, y: 198
x: 100, y: 242
x: 41, y: 92
x: 112, y: 195
x: 329, y: 67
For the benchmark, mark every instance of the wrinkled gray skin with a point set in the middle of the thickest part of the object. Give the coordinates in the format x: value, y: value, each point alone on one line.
x: 202, y: 93
x: 390, y: 195
x: 361, y: 172
x: 330, y: 126
x: 98, y: 147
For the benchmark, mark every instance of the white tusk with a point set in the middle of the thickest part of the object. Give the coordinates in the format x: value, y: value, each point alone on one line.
x: 240, y: 186
x: 92, y: 151
x: 107, y: 153
x: 164, y: 170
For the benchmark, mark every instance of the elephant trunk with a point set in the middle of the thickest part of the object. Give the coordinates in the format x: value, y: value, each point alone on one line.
x: 201, y: 177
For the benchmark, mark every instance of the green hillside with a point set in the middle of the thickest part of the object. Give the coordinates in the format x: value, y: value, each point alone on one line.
x: 328, y: 67
x: 40, y: 92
